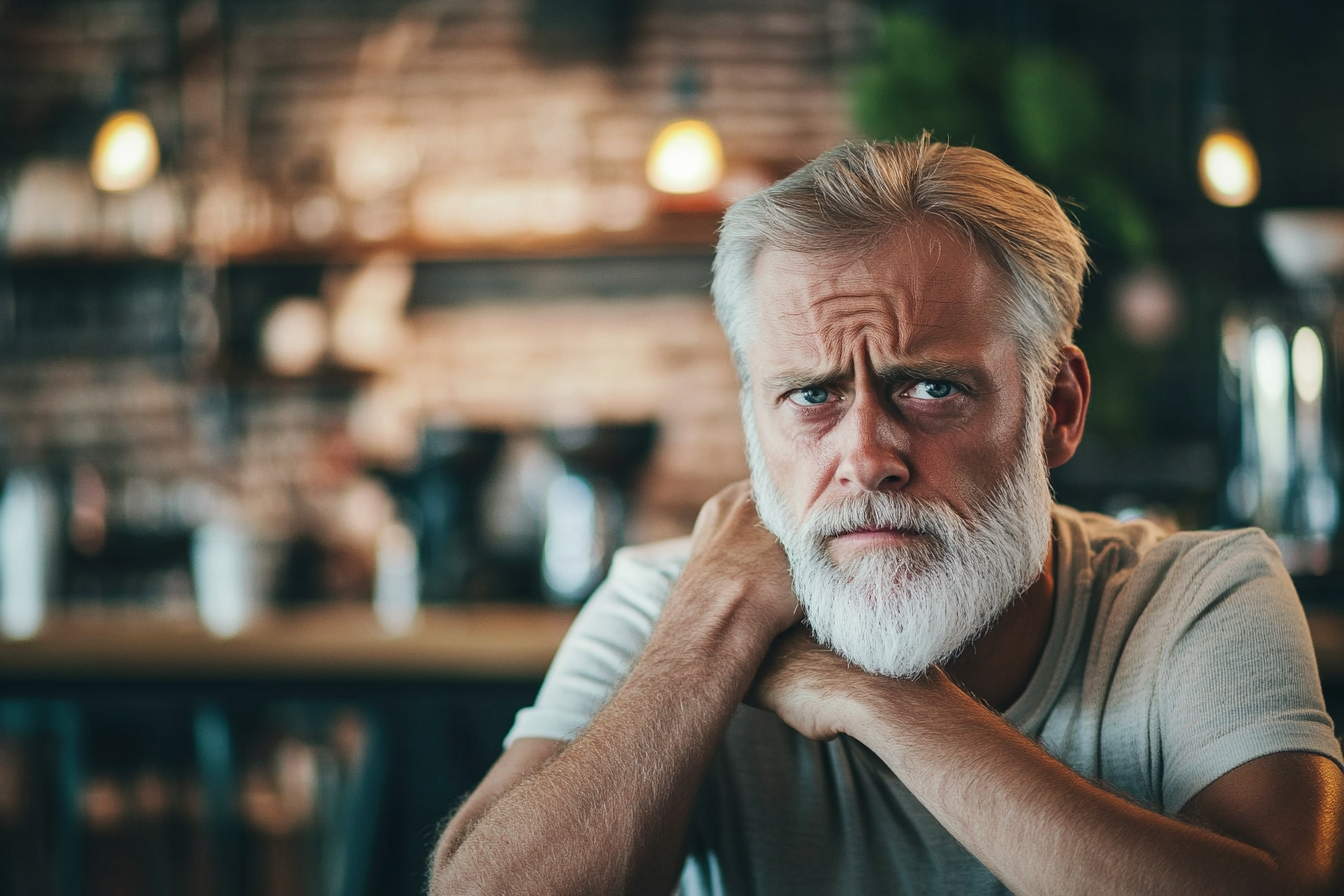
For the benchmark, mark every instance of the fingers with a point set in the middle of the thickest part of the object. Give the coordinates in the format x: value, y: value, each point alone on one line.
x: 713, y: 511
x: 729, y: 545
x: 732, y: 513
x: 798, y: 681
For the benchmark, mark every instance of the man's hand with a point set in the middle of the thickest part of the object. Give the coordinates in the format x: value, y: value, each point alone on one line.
x: 730, y: 547
x: 608, y: 813
x: 1269, y: 826
x: 1263, y: 828
x: 804, y: 684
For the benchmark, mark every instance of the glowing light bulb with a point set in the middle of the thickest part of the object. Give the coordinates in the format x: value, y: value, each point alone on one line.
x: 125, y: 153
x: 686, y: 157
x: 294, y: 337
x: 1229, y: 171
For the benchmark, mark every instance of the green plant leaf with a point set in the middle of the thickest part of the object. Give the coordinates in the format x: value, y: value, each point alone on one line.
x: 1053, y: 110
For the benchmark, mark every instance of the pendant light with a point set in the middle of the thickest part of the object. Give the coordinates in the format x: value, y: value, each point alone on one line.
x: 125, y: 153
x: 1229, y: 170
x: 686, y: 157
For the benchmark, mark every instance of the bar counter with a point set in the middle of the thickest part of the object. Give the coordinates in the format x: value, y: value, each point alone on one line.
x: 505, y: 642
x: 508, y: 642
x: 434, y: 706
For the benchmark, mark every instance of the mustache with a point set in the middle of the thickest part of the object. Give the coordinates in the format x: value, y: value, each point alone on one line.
x: 883, y: 510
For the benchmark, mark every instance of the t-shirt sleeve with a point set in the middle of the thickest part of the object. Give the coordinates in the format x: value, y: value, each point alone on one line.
x: 1240, y: 678
x: 606, y: 637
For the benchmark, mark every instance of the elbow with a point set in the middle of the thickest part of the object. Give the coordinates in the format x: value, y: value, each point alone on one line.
x: 443, y: 877
x: 439, y: 883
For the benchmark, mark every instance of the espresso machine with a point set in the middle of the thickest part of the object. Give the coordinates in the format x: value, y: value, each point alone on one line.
x: 1281, y: 378
x: 586, y: 504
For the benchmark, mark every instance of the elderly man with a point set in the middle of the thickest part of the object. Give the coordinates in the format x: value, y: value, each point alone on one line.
x: 953, y: 685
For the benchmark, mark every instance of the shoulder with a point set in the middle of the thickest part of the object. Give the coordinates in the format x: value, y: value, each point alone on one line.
x: 625, y: 606
x: 1147, y: 592
x: 1193, y: 570
x: 642, y: 575
x: 662, y: 560
x: 1133, y: 563
x: 1198, y: 655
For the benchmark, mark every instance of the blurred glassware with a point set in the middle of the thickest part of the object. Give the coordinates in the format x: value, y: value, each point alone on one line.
x: 307, y: 798
x: 225, y: 576
x: 115, y: 795
x: 396, y: 583
x: 316, y: 217
x: 28, y: 551
x: 374, y: 159
x: 368, y: 327
x: 55, y: 209
x: 1281, y: 403
x: 1303, y: 425
x: 128, y: 540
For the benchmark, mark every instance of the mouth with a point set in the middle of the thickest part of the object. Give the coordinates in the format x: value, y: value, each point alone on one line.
x: 868, y: 538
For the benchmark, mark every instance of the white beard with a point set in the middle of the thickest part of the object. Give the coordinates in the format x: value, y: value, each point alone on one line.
x: 898, y: 610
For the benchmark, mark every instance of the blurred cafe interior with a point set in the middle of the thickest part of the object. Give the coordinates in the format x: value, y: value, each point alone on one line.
x: 343, y: 341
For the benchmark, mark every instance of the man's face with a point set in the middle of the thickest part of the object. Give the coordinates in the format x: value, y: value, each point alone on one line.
x: 897, y: 454
x: 887, y: 372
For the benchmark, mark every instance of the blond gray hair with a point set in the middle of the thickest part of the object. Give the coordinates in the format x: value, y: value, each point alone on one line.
x: 848, y: 200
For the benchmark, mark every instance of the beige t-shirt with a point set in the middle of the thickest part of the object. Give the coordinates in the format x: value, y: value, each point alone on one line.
x: 1170, y: 661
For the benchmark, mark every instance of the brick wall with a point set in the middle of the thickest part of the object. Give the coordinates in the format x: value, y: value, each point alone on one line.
x: 330, y: 133
x: 429, y: 127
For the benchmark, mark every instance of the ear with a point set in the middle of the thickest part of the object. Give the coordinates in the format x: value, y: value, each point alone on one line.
x: 1066, y: 408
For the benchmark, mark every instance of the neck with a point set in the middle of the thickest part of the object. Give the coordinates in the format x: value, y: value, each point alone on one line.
x: 997, y: 666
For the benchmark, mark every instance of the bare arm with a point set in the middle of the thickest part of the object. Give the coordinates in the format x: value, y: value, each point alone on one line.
x: 608, y: 813
x: 1273, y: 825
x: 523, y: 757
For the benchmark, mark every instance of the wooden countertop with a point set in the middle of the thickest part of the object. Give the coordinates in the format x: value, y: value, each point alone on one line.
x: 486, y: 641
x: 494, y: 641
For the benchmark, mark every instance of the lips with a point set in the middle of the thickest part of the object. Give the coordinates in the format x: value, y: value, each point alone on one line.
x: 869, y: 530
x: 877, y: 535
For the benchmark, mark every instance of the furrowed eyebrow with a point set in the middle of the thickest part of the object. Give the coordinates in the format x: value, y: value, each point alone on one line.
x: 933, y: 371
x: 798, y: 379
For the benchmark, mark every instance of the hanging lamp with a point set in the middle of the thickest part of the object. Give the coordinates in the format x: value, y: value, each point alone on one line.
x: 687, y: 156
x: 1229, y: 170
x: 125, y: 153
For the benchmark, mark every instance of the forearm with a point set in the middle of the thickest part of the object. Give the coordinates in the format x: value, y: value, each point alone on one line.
x: 609, y: 813
x: 1037, y: 825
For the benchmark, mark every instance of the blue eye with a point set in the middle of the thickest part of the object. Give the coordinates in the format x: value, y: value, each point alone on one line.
x: 809, y: 396
x: 932, y: 389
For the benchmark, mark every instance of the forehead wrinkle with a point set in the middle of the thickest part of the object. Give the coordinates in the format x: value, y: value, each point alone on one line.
x: 897, y: 302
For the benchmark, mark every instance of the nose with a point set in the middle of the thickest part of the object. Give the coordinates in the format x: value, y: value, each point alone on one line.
x: 873, y: 447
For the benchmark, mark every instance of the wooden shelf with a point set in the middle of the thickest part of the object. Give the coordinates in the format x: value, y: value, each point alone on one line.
x: 492, y: 641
